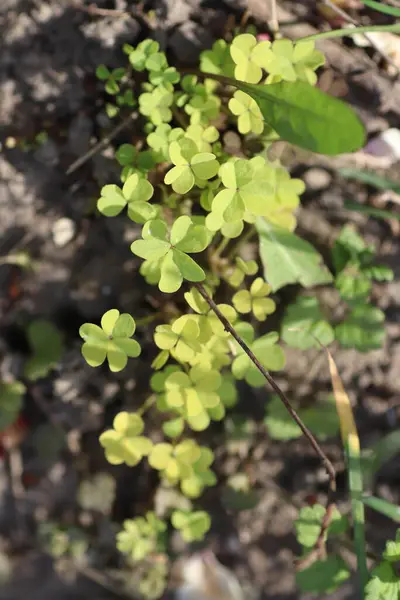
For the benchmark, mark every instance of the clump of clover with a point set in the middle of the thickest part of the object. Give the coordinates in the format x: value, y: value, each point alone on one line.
x: 195, y: 201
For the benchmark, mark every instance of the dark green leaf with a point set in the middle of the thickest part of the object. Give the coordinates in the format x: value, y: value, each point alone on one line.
x: 379, y: 213
x: 323, y: 576
x: 307, y: 117
x: 363, y: 329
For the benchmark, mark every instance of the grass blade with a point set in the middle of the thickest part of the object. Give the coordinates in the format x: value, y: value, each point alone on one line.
x: 379, y: 213
x: 384, y: 507
x: 381, y: 183
x: 379, y: 454
x: 351, y: 445
x: 382, y: 8
x: 395, y: 28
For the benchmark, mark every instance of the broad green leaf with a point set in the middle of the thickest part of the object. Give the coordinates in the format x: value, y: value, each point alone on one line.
x: 289, y: 259
x: 307, y: 117
x: 323, y: 576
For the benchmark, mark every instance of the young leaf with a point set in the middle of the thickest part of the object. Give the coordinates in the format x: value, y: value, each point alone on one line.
x: 307, y: 117
x: 289, y: 259
x: 385, y: 581
x: 11, y: 396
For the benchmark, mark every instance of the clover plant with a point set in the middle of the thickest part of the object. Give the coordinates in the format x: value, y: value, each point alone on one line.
x: 198, y: 203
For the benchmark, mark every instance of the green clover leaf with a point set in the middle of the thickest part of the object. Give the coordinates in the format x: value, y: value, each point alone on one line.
x: 156, y: 105
x: 265, y: 348
x: 385, y: 581
x: 175, y: 462
x: 135, y: 194
x: 139, y: 56
x: 192, y: 525
x: 175, y: 264
x: 161, y: 137
x: 209, y: 323
x: 255, y: 300
x: 203, y: 137
x: 141, y: 536
x: 111, y: 340
x: 246, y: 54
x: 218, y: 60
x: 202, y: 107
x: 362, y: 329
x: 11, y: 397
x: 308, y: 524
x: 191, y: 166
x: 123, y: 443
x: 243, y: 192
x: 193, y: 394
x: 304, y: 326
x: 180, y: 338
x: 235, y: 276
x: 289, y: 61
x: 249, y: 115
x: 46, y: 344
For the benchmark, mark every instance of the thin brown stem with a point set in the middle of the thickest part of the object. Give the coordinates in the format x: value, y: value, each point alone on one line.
x: 101, y: 144
x: 345, y: 15
x: 320, y: 544
x: 228, y: 327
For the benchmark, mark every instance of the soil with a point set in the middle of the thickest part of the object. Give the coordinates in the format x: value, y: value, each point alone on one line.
x: 50, y: 52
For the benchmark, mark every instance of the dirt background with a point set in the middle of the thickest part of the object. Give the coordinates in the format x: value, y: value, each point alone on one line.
x: 50, y: 50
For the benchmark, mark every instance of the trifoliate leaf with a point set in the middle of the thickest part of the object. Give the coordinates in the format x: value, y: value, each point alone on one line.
x: 112, y: 340
x: 308, y: 524
x: 363, y: 329
x: 304, y: 325
x: 47, y: 347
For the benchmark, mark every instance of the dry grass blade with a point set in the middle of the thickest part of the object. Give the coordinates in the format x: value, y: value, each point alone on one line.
x: 351, y: 445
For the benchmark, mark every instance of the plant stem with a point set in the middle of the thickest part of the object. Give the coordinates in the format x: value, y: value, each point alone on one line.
x: 221, y: 246
x: 395, y: 27
x: 369, y: 38
x: 244, y: 238
x: 317, y: 448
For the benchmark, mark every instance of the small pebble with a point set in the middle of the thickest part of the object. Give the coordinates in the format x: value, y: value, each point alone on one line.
x: 317, y: 179
x: 63, y: 231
